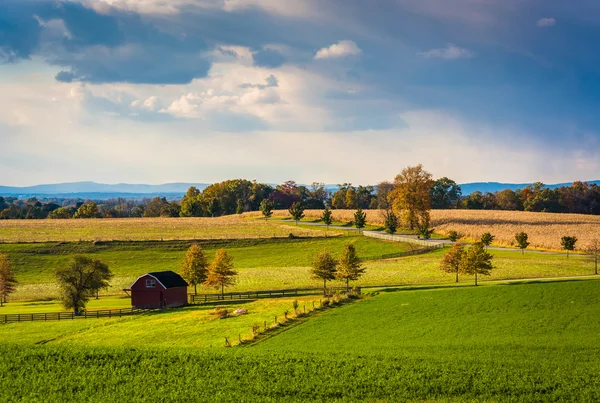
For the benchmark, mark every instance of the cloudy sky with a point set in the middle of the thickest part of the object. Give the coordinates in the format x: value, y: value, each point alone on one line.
x: 154, y: 91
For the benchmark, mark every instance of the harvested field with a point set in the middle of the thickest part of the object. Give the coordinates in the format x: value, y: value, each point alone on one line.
x: 544, y: 229
x: 144, y: 229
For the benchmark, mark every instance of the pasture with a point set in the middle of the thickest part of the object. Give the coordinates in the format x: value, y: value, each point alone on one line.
x: 544, y: 229
x: 519, y: 342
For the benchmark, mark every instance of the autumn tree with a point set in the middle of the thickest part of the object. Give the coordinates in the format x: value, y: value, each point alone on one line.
x: 80, y: 280
x: 349, y: 267
x: 360, y: 219
x: 453, y: 236
x: 487, y: 239
x: 327, y: 217
x: 522, y: 241
x: 8, y: 282
x: 194, y: 267
x: 568, y: 243
x: 220, y: 272
x: 324, y: 268
x: 411, y: 198
x: 89, y: 210
x: 266, y: 207
x: 593, y: 250
x: 476, y: 260
x: 390, y: 221
x: 296, y: 211
x: 451, y: 260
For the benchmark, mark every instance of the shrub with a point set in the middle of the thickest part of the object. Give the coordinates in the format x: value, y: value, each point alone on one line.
x: 453, y: 236
x: 220, y: 313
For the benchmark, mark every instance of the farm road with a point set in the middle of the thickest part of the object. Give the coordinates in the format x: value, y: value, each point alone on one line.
x: 435, y: 241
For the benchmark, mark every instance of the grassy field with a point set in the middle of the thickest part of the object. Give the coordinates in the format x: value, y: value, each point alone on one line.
x: 190, y: 327
x: 262, y: 264
x: 521, y: 343
x: 135, y: 229
x: 544, y: 229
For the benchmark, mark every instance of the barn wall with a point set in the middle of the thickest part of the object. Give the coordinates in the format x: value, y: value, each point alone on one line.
x: 142, y: 297
x: 176, y: 297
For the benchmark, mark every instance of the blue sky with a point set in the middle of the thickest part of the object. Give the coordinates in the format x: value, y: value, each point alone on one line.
x: 154, y: 91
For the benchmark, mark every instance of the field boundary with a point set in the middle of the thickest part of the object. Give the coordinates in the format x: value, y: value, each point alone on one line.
x: 57, y: 316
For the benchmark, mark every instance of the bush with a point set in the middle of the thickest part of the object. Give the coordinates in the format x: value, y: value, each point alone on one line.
x: 453, y: 236
x: 220, y: 313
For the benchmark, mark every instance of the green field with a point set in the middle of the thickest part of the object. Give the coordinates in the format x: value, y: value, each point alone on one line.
x: 517, y: 342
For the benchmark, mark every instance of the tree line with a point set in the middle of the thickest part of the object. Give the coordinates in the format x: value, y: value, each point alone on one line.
x: 239, y: 196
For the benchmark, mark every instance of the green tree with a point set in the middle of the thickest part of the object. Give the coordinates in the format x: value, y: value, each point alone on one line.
x: 214, y: 207
x: 80, y: 280
x: 451, y: 260
x: 453, y: 236
x: 327, y: 217
x: 324, y: 268
x: 445, y: 194
x: 220, y: 272
x: 240, y: 207
x: 191, y: 203
x: 266, y: 206
x: 60, y: 213
x: 360, y: 219
x: 522, y: 241
x: 8, y: 283
x: 476, y: 260
x: 89, y: 210
x: 349, y: 267
x: 593, y: 250
x: 296, y: 211
x: 390, y: 221
x: 194, y: 268
x: 568, y: 243
x: 487, y: 239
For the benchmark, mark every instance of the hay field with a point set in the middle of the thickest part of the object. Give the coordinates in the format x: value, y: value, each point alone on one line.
x: 142, y: 229
x: 544, y: 229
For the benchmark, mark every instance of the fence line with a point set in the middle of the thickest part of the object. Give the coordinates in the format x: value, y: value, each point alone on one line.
x: 48, y: 316
x: 203, y: 298
x: 401, y: 238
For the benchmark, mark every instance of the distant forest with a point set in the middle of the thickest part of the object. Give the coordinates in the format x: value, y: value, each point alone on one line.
x: 238, y: 196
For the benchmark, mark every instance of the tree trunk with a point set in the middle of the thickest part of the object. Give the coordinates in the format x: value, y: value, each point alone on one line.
x: 324, y: 288
x: 475, y: 278
x: 596, y: 265
x: 567, y: 253
x: 223, y: 291
x: 457, y: 275
x: 347, y: 286
x: 195, y: 289
x: 522, y: 251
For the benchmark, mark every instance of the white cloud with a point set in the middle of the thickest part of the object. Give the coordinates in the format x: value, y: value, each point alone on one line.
x: 450, y: 52
x: 546, y: 22
x: 340, y: 49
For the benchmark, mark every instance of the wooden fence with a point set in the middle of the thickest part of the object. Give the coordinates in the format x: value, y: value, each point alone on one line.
x: 204, y: 298
x: 44, y: 317
x: 431, y: 244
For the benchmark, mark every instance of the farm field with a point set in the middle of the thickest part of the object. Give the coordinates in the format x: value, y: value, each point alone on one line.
x: 262, y: 264
x: 518, y: 342
x: 138, y: 229
x: 544, y: 229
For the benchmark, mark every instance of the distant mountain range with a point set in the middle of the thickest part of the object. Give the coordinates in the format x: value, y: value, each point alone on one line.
x: 101, y: 191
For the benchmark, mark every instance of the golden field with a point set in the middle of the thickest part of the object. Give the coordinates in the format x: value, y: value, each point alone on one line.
x: 141, y: 229
x: 544, y: 229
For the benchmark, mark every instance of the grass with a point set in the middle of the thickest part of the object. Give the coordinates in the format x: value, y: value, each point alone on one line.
x: 521, y: 343
x: 262, y: 264
x: 228, y: 227
x: 190, y: 327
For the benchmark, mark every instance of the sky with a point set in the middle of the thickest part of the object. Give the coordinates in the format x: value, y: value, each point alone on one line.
x: 155, y: 91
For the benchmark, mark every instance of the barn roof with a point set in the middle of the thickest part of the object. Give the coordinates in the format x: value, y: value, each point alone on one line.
x: 169, y: 279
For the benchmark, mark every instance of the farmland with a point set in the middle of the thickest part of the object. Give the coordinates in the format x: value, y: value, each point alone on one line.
x: 544, y: 229
x: 527, y: 342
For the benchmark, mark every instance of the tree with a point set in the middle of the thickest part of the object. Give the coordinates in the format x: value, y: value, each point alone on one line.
x: 568, y: 243
x: 327, y: 217
x: 411, y: 197
x: 349, y: 267
x: 214, y: 207
x: 476, y: 260
x: 80, y: 280
x: 296, y: 211
x: 89, y: 210
x: 194, y: 267
x: 60, y: 213
x: 390, y: 221
x: 191, y: 203
x: 266, y: 206
x: 220, y: 271
x: 383, y: 190
x: 451, y: 260
x: 324, y: 268
x: 453, y: 236
x: 522, y: 242
x: 487, y: 239
x: 360, y: 219
x: 445, y: 193
x: 593, y: 250
x: 8, y: 282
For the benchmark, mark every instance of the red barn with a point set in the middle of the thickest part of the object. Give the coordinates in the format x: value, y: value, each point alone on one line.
x: 164, y: 289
